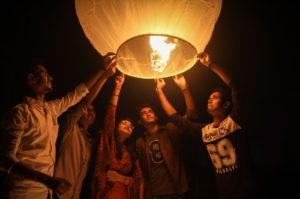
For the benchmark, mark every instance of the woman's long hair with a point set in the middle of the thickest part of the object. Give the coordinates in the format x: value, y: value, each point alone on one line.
x: 129, y: 143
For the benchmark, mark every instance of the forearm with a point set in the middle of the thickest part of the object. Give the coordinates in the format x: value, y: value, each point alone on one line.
x: 92, y: 80
x: 20, y: 170
x: 96, y: 89
x: 168, y: 108
x: 141, y: 190
x: 191, y: 110
x: 185, y: 124
x: 115, y: 96
x: 221, y: 73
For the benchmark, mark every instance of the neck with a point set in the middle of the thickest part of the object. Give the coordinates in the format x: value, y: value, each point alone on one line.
x: 151, y: 128
x: 84, y: 126
x: 218, y: 119
x: 122, y: 139
x: 40, y: 97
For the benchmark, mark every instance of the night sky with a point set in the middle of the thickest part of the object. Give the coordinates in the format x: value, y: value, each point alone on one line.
x: 251, y: 40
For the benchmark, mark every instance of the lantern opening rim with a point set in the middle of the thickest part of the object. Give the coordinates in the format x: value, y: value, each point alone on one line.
x: 148, y: 35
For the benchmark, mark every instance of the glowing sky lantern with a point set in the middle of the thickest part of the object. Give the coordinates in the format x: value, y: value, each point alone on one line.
x: 152, y: 38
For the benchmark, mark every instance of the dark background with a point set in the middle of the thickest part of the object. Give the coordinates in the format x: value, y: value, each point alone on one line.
x: 252, y: 40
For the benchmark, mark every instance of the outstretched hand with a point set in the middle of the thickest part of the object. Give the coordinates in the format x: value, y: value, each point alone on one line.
x: 111, y: 70
x: 109, y: 60
x: 119, y: 80
x: 160, y: 83
x: 204, y: 59
x: 180, y: 81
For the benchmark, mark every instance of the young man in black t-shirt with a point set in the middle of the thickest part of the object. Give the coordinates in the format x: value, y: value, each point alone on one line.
x: 223, y: 137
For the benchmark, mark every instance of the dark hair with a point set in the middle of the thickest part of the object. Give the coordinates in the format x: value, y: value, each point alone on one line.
x: 141, y: 106
x: 20, y: 86
x: 125, y: 118
x: 225, y: 96
x: 30, y: 66
x: 129, y: 143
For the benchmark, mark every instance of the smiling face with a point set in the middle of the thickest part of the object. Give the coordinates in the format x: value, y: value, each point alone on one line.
x: 125, y: 128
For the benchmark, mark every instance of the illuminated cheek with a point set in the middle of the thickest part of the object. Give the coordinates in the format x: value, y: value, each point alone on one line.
x: 119, y: 127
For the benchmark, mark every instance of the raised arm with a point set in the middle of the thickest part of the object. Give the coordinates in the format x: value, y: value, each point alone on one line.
x: 175, y: 118
x: 118, y: 86
x: 106, y: 143
x: 109, y: 121
x: 191, y: 110
x: 100, y: 82
x: 73, y: 97
x: 76, y: 113
x: 109, y: 60
x: 206, y: 60
x: 168, y: 108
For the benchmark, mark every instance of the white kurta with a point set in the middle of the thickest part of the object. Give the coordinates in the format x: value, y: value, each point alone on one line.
x: 31, y: 135
x: 74, y: 153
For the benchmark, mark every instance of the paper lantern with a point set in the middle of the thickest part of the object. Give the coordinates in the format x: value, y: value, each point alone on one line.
x: 151, y: 38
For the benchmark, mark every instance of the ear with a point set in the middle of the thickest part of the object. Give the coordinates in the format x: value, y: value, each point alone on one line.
x: 227, y: 104
x: 31, y: 79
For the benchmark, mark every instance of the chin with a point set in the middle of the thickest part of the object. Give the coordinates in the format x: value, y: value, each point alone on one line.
x: 49, y: 89
x: 151, y: 121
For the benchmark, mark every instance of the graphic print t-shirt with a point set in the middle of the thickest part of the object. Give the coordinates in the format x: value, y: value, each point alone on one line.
x: 160, y: 180
x: 227, y: 148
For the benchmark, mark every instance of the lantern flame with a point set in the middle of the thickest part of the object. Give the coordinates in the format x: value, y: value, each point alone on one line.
x: 161, y: 52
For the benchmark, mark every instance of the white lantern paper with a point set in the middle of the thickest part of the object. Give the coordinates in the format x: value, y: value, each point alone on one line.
x: 126, y: 27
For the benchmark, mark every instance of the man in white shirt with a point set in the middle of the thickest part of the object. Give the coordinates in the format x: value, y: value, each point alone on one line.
x: 28, y: 143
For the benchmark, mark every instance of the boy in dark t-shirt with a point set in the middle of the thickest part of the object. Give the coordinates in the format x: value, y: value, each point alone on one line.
x: 223, y: 137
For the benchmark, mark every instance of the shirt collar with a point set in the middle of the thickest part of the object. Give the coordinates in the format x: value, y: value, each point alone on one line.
x: 33, y: 101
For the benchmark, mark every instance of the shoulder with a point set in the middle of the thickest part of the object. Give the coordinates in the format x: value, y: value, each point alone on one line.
x: 18, y: 115
x: 21, y: 106
x: 170, y: 126
x: 19, y: 110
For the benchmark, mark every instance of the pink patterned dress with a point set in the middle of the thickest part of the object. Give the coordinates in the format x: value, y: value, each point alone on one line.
x: 106, y: 160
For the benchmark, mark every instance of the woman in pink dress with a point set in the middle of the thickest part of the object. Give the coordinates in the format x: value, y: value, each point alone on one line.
x: 117, y: 173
